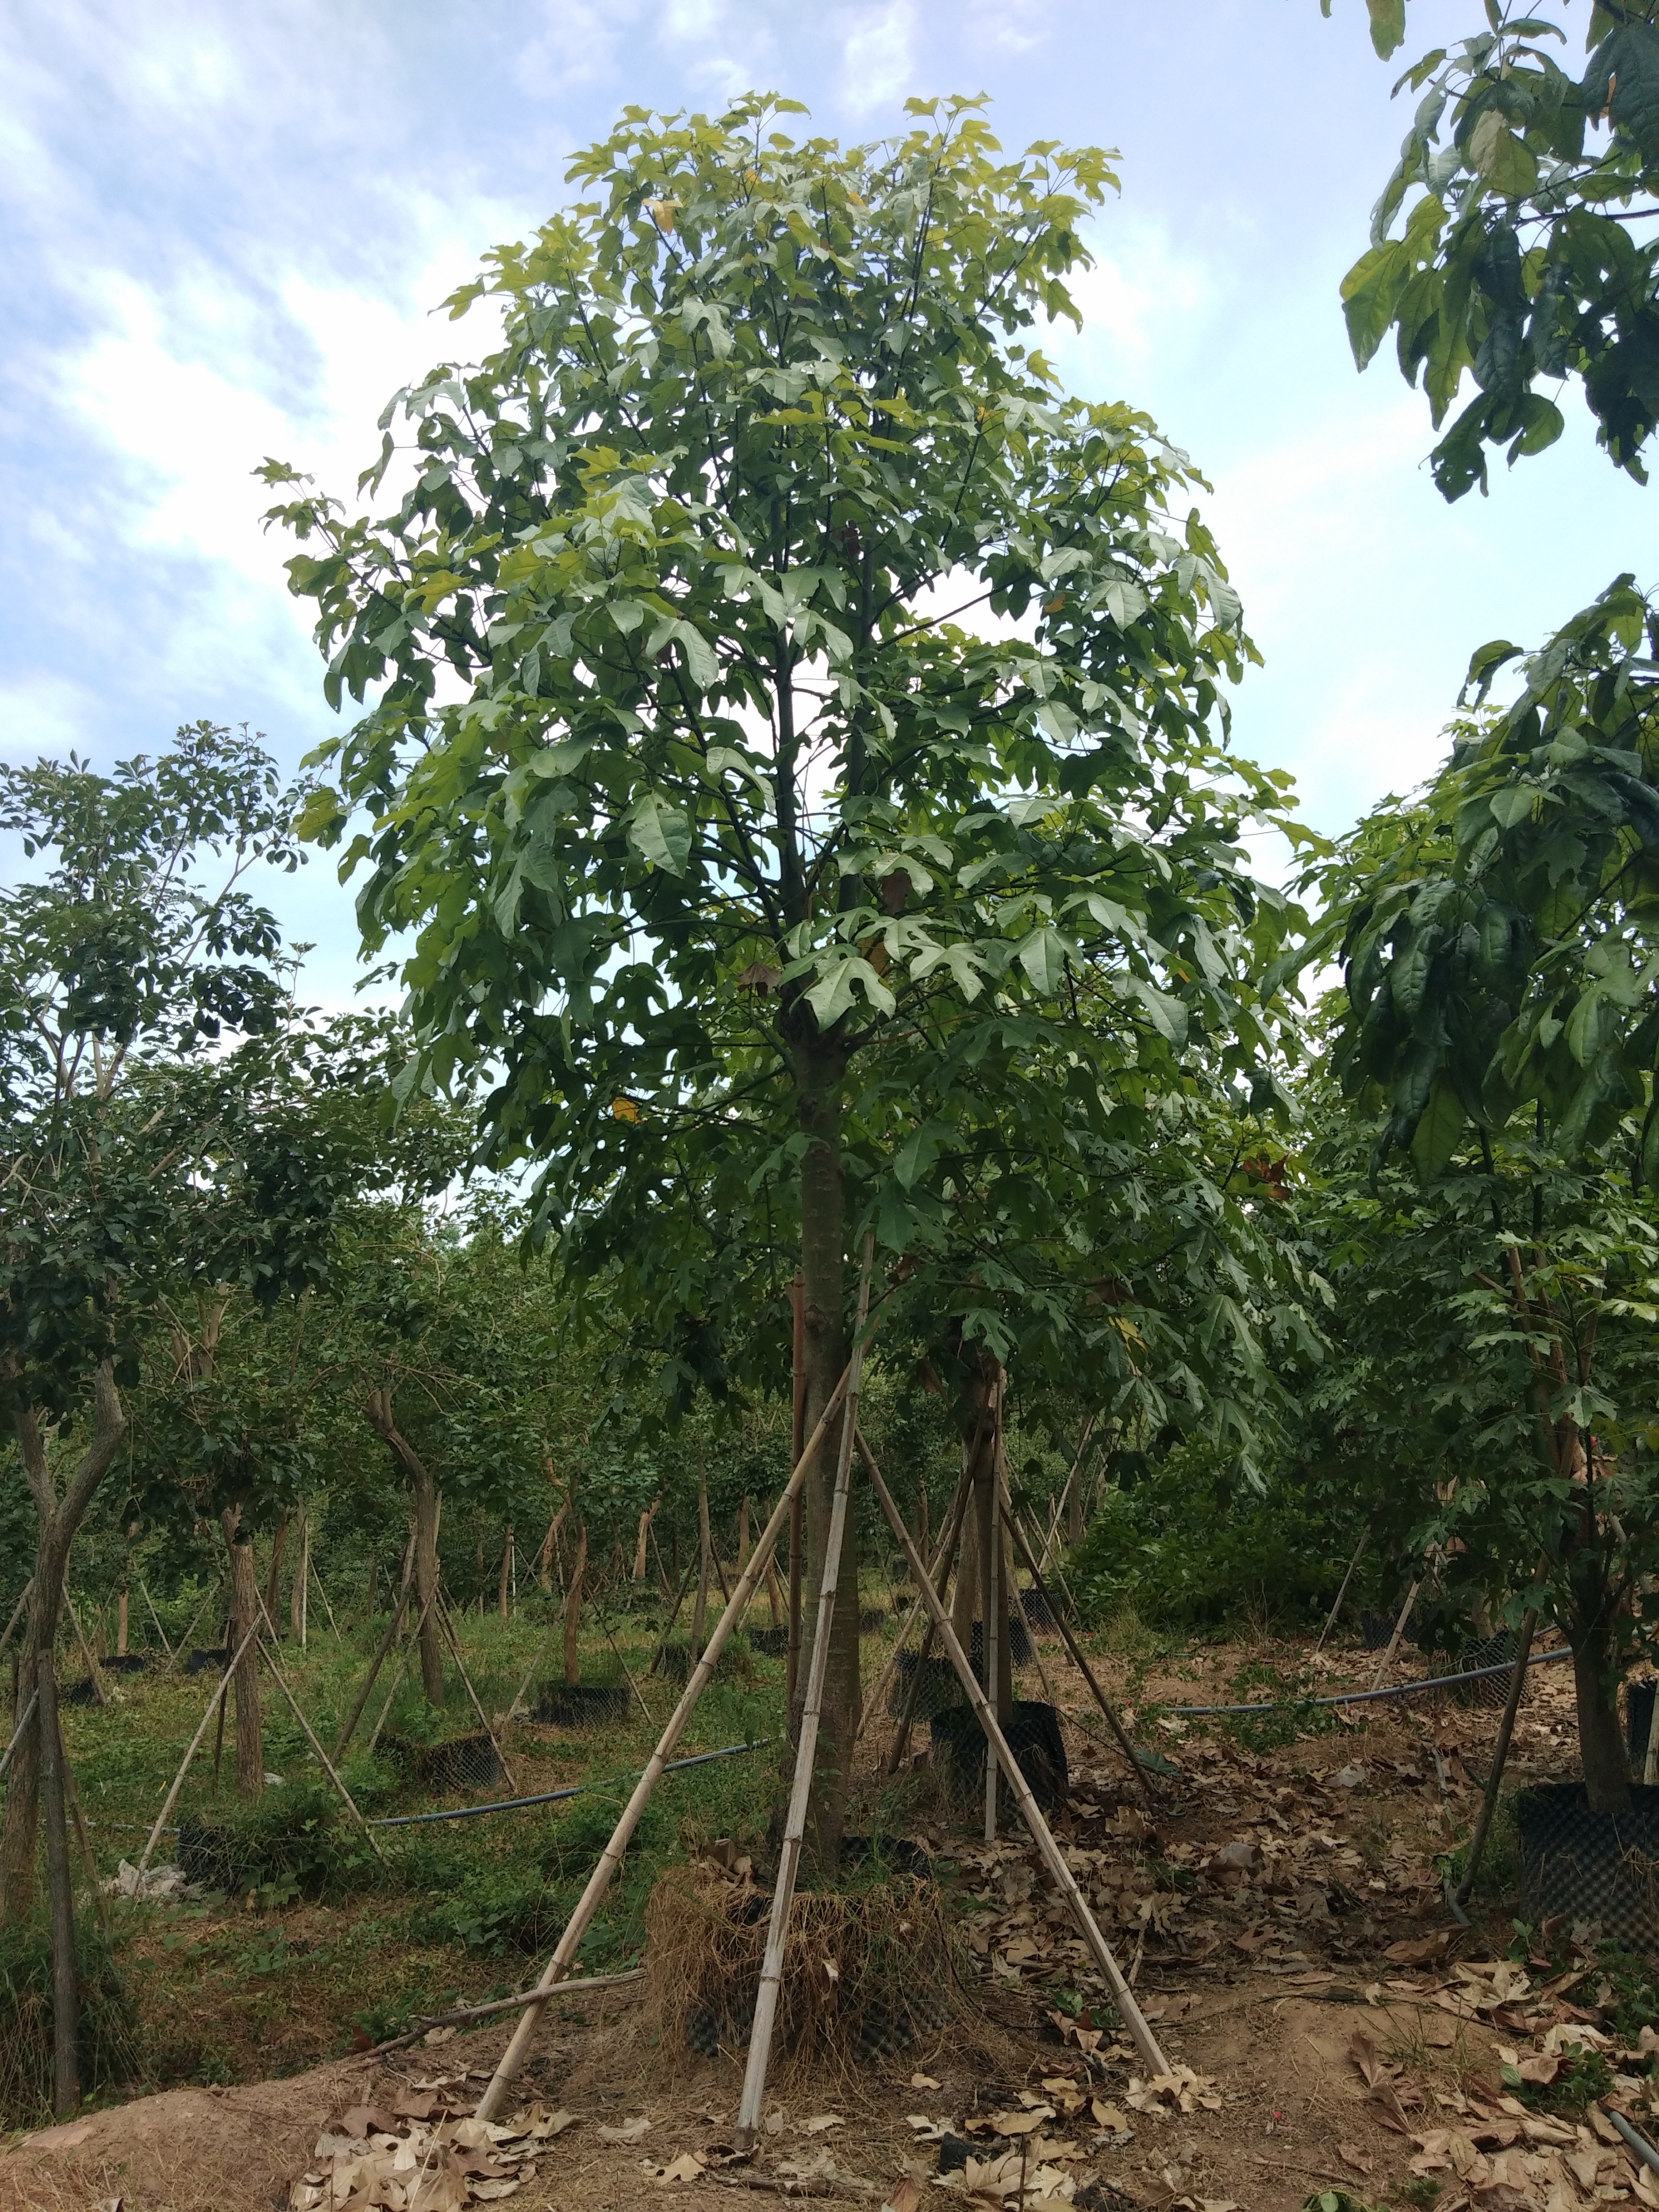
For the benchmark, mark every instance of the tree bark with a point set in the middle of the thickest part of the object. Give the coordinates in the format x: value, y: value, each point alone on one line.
x: 572, y: 1609
x: 244, y: 1612
x: 428, y: 1505
x: 646, y: 1520
x: 65, y: 1983
x: 297, y: 1592
x: 121, y: 1622
x: 820, y: 1066
x: 700, y: 1610
x: 58, y: 1521
x: 504, y: 1584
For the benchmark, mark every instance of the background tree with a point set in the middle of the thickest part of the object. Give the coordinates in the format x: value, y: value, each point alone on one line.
x: 1523, y: 256
x: 740, y: 840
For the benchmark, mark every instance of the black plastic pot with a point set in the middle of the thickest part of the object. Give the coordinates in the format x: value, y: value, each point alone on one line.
x: 582, y: 1705
x: 1019, y: 1644
x: 218, y: 1657
x: 1638, y: 1717
x: 1038, y: 1610
x: 774, y: 1642
x: 125, y: 1662
x: 1599, y: 1867
x: 1034, y: 1737
x: 1377, y: 1627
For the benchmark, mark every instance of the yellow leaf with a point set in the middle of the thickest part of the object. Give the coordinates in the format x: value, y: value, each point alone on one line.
x: 624, y: 1110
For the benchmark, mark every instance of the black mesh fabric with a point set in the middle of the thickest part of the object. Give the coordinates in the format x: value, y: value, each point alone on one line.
x: 1600, y: 1866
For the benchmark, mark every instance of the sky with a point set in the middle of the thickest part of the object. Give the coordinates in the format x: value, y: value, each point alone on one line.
x: 224, y: 229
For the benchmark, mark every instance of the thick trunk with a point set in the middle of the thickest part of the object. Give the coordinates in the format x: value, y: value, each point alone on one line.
x: 700, y: 1610
x: 244, y: 1612
x: 646, y: 1520
x: 819, y: 1069
x: 504, y: 1584
x: 121, y: 1619
x: 58, y: 1521
x: 1601, y: 1739
x: 572, y: 1609
x: 297, y: 1593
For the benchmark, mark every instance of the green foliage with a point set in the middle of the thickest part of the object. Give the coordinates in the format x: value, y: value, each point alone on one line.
x: 736, y: 837
x: 1585, y: 2078
x: 293, y: 1841
x: 1519, y: 261
x: 1186, y: 1547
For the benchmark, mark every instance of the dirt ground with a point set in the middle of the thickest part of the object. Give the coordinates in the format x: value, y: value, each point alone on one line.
x: 1326, y: 2024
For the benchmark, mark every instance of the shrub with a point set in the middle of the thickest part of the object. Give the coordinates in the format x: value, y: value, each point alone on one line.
x: 108, y: 2042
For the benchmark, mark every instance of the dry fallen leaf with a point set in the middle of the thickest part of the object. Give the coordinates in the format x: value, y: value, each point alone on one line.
x: 820, y: 2121
x: 687, y: 2167
x: 629, y: 2132
x: 924, y: 2081
x: 1022, y: 2124
x: 1351, y: 2155
x: 905, y: 2198
x: 1109, y: 2118
x: 1364, y: 2054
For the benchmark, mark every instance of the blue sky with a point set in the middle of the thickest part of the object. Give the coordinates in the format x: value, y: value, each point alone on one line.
x: 225, y: 226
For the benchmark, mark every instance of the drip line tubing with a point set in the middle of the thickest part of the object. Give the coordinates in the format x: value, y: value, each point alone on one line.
x: 1366, y: 1696
x: 572, y: 1790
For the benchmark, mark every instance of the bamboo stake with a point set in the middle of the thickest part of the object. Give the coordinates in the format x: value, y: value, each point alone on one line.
x: 154, y: 1615
x: 94, y: 1672
x: 1651, y: 1758
x: 1330, y: 1622
x: 541, y: 1652
x: 349, y: 1728
x: 941, y: 1558
x: 1059, y: 1874
x: 213, y: 1704
x: 17, y: 1733
x: 610, y: 1858
x: 448, y: 1628
x: 1084, y: 1668
x: 404, y: 1658
x: 323, y: 1594
x: 1500, y: 1753
x: 750, y: 2108
x: 946, y: 1560
x: 267, y: 1652
x: 700, y: 1611
x: 1387, y: 1660
x: 182, y: 1644
x: 797, y: 1523
x: 17, y: 1614
x: 495, y: 2006
x: 993, y: 1613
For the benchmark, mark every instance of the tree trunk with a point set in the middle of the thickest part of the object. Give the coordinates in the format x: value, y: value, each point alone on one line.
x: 244, y: 1612
x: 58, y: 1521
x: 66, y: 1981
x: 297, y: 1593
x: 428, y: 1505
x: 820, y: 1065
x: 504, y: 1584
x: 646, y: 1520
x: 274, y: 1577
x: 572, y: 1609
x: 743, y: 1535
x: 1601, y: 1739
x: 700, y: 1610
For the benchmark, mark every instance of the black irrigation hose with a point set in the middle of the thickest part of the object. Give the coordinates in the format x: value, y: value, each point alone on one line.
x: 1365, y: 1697
x: 572, y: 1790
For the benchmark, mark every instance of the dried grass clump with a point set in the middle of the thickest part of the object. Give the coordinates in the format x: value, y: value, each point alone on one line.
x: 868, y: 1971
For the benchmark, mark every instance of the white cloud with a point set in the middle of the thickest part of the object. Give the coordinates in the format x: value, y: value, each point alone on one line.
x: 877, y: 56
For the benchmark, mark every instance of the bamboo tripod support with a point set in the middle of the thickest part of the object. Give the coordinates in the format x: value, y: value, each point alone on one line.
x: 454, y: 1642
x: 1083, y: 1666
x: 806, y: 1744
x: 558, y: 1967
x: 268, y: 1652
x: 349, y: 1727
x: 1459, y: 1896
x: 214, y: 1703
x: 1059, y: 1874
x: 943, y: 1554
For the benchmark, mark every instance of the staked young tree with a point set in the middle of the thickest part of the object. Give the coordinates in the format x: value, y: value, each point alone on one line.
x: 787, y: 701
x: 1527, y: 252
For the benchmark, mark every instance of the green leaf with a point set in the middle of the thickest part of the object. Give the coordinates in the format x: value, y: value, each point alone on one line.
x: 1435, y: 1139
x: 1387, y: 25
x: 1370, y: 296
x: 661, y: 834
x: 1042, y: 955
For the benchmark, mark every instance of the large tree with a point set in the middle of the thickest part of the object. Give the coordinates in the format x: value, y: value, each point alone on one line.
x: 788, y: 705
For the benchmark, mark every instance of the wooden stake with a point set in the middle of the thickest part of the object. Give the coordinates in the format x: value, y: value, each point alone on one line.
x: 751, y: 2104
x: 1084, y: 1668
x: 17, y: 1733
x: 94, y: 1672
x: 404, y: 1658
x: 992, y: 1571
x: 796, y: 1519
x: 448, y: 1627
x: 945, y: 1561
x: 154, y: 1615
x: 1060, y: 1873
x: 1387, y: 1660
x: 572, y: 1607
x: 17, y: 1614
x: 700, y: 1611
x: 327, y: 1608
x: 1330, y: 1618
x: 215, y: 1703
x: 611, y: 1857
x: 940, y: 1565
x: 349, y: 1728
x: 65, y: 1985
x: 268, y: 1654
x: 1500, y: 1753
